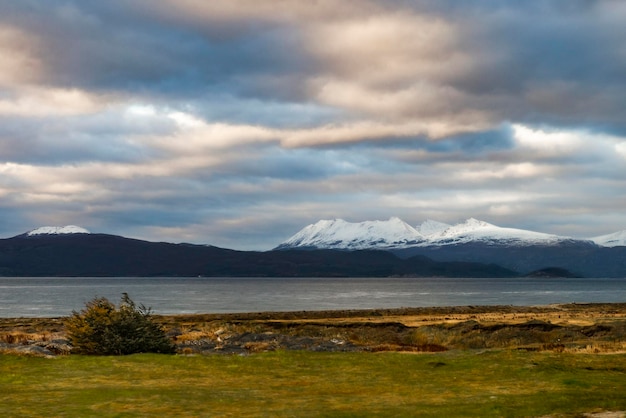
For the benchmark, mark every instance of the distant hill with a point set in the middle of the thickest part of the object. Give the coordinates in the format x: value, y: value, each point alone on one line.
x: 582, y: 259
x: 551, y: 272
x: 84, y: 254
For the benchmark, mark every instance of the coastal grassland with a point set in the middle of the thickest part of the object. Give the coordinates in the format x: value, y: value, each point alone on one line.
x: 303, y: 383
x: 590, y: 328
x: 570, y: 328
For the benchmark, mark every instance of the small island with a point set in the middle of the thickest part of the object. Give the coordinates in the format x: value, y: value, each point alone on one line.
x: 553, y: 272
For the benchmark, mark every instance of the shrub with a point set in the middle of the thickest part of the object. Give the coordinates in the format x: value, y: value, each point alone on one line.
x: 101, y: 328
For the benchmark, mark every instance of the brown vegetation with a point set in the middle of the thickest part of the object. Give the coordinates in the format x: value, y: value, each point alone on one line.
x: 589, y: 328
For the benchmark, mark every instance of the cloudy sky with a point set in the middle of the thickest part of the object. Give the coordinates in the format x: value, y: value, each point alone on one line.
x: 236, y: 123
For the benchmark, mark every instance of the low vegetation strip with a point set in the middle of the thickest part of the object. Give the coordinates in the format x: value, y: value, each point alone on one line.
x: 302, y: 383
x: 572, y: 328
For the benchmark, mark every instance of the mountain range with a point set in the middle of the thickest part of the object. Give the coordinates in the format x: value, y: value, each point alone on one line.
x: 329, y: 248
x: 396, y: 234
x: 74, y: 252
x: 471, y: 241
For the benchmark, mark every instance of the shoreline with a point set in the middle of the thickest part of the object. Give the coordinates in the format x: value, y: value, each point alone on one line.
x: 423, y: 314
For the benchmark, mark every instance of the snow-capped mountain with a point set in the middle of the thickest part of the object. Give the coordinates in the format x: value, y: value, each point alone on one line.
x: 340, y: 234
x: 397, y: 234
x: 616, y: 239
x: 470, y: 249
x: 430, y: 227
x: 58, y: 230
x: 473, y: 230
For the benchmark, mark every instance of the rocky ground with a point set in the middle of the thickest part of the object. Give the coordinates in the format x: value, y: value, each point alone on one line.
x: 593, y: 328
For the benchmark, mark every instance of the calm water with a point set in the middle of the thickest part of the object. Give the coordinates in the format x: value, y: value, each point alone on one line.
x: 50, y: 297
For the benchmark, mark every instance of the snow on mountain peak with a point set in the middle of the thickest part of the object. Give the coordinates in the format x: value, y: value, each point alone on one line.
x: 340, y: 234
x: 473, y: 224
x: 58, y: 230
x: 474, y: 230
x: 395, y: 233
x: 616, y: 239
x: 430, y: 227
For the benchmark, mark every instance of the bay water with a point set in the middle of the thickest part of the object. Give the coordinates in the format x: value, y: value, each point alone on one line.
x: 54, y: 297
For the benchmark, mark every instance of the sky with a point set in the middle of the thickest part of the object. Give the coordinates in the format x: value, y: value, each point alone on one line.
x: 236, y: 123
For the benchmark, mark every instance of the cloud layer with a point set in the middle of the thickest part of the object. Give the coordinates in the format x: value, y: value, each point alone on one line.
x: 236, y: 123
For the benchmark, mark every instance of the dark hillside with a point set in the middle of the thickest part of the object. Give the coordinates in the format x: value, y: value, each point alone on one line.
x: 579, y: 258
x: 108, y: 255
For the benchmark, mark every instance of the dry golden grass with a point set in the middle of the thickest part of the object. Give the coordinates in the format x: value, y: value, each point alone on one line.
x: 582, y: 315
x: 567, y: 328
x: 19, y: 337
x: 404, y: 329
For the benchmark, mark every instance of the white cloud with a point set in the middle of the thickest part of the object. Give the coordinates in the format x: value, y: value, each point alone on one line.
x: 548, y: 142
x: 596, y: 150
x: 479, y: 173
x: 388, y: 49
x: 195, y: 136
x: 47, y: 102
x: 368, y: 130
x: 140, y: 110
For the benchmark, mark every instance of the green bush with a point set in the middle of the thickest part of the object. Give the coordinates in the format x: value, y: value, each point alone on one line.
x: 102, y: 329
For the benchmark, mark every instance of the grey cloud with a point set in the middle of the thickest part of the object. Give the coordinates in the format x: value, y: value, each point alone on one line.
x: 13, y: 221
x: 256, y: 111
x: 121, y: 48
x: 561, y: 58
x: 472, y: 145
x: 105, y: 136
x: 527, y: 62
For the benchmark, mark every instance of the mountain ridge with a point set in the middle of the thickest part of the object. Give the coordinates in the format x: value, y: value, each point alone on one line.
x: 57, y: 230
x: 476, y: 241
x: 470, y: 249
x: 616, y: 239
x: 397, y: 234
x: 394, y: 233
x: 103, y: 255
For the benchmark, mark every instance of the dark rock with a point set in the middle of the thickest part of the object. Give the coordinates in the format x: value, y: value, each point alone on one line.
x: 57, y: 346
x: 596, y: 330
x: 174, y: 332
x: 33, y: 350
x: 249, y: 337
x: 536, y: 325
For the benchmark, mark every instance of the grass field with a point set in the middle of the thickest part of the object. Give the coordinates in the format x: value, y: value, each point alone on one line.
x: 470, y: 383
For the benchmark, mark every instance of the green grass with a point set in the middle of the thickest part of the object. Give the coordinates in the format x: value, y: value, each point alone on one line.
x: 302, y: 384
